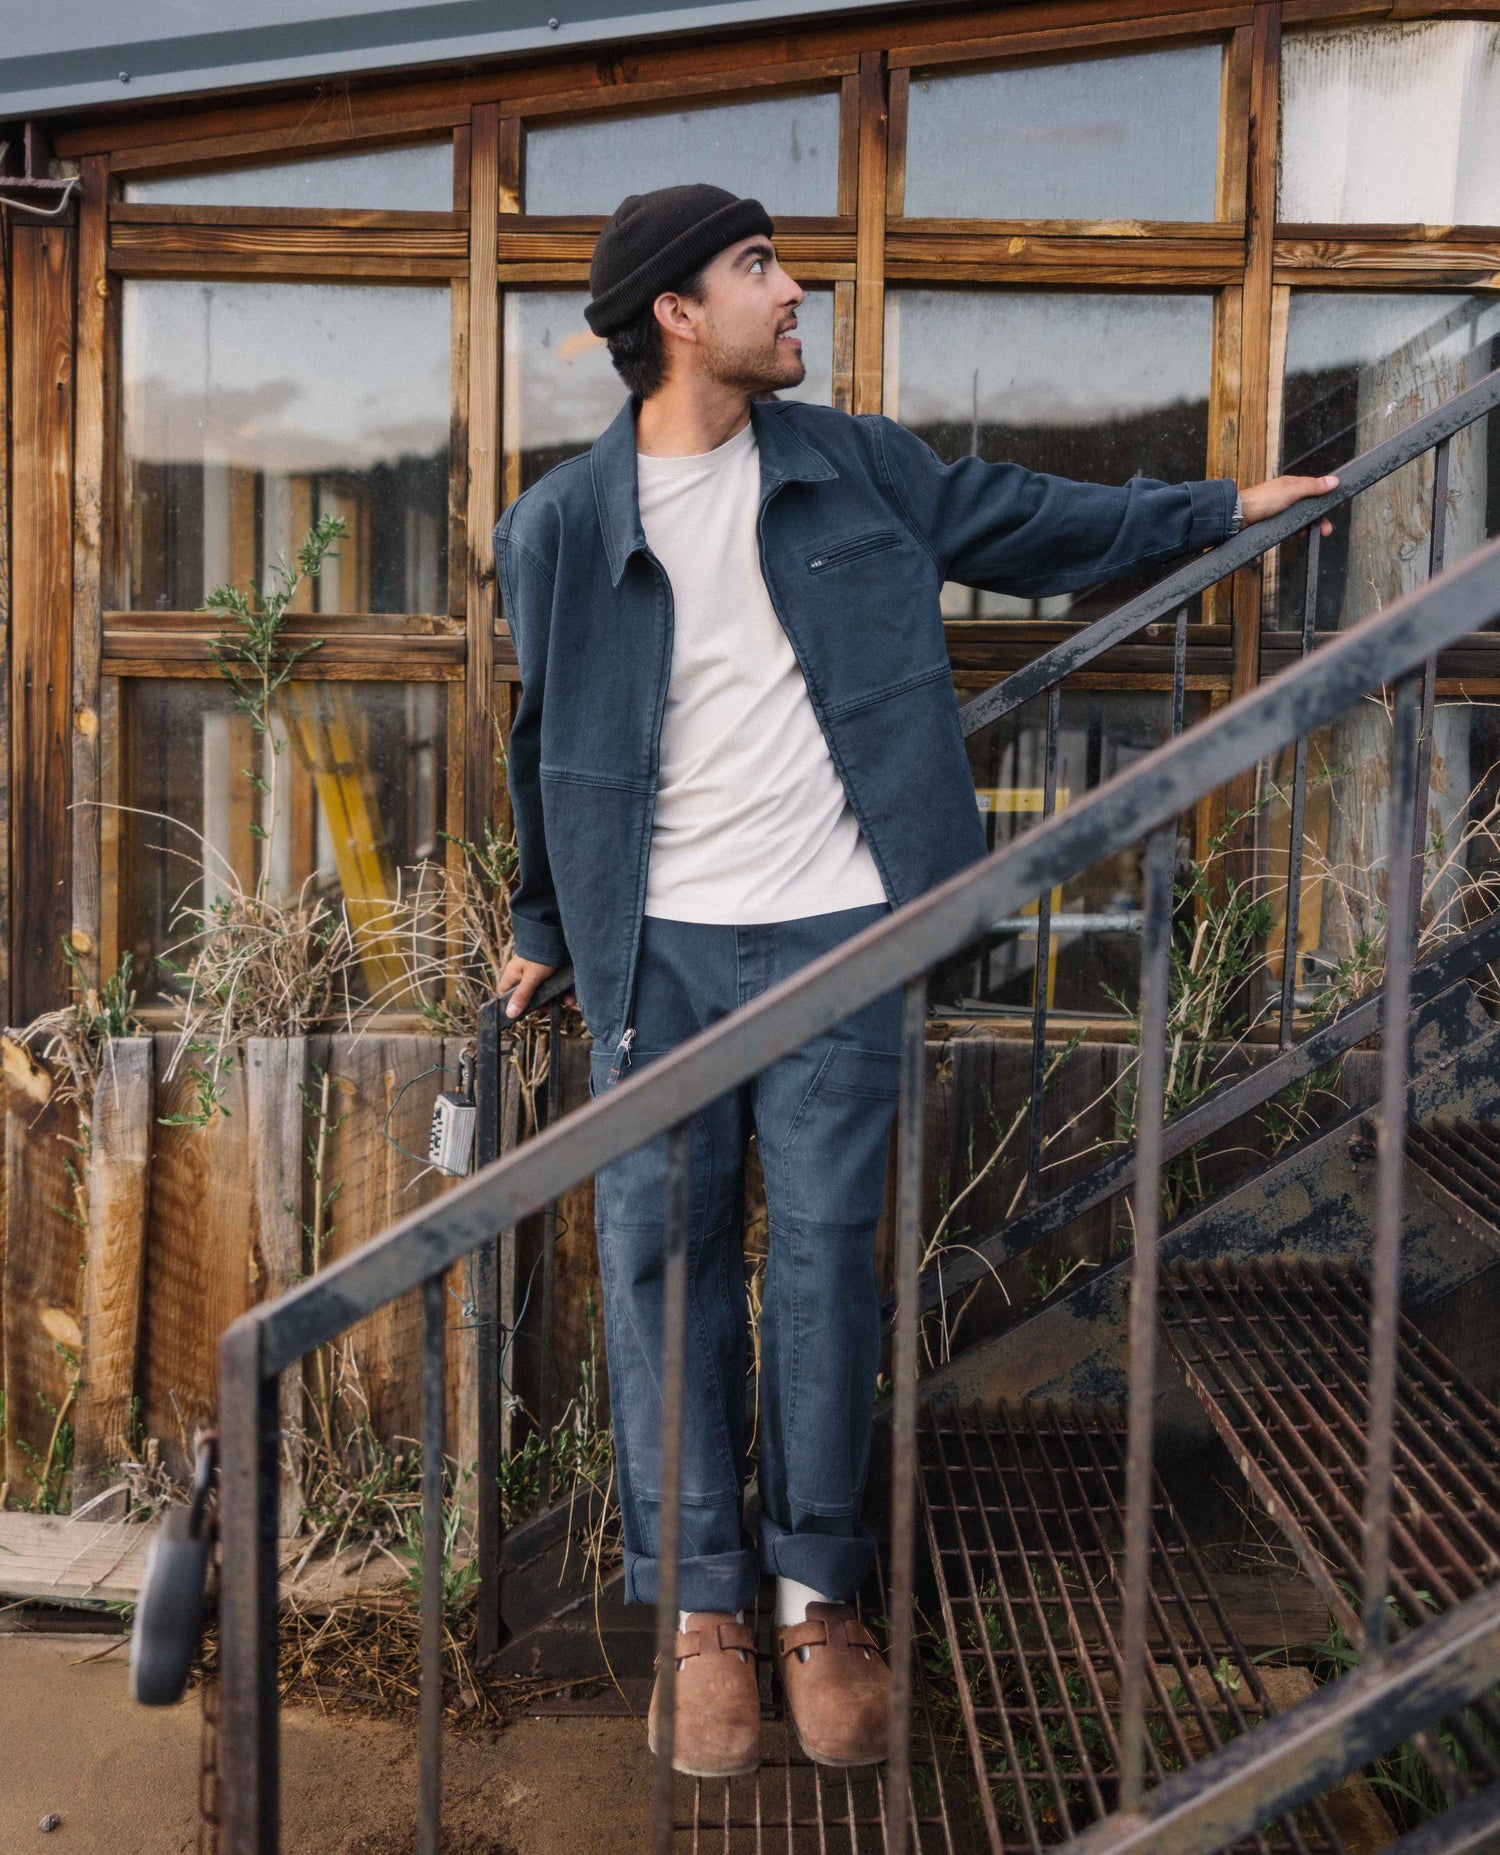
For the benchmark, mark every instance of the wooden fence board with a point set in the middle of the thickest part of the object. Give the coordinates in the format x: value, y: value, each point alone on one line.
x: 197, y: 1257
x: 379, y: 1079
x: 191, y: 1225
x: 275, y: 1076
x: 577, y: 1280
x: 41, y: 1291
x: 119, y: 1160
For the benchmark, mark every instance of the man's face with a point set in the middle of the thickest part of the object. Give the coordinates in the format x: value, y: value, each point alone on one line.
x: 742, y: 325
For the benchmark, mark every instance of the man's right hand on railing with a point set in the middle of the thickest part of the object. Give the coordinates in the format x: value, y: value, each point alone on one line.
x: 1263, y: 500
x: 521, y: 979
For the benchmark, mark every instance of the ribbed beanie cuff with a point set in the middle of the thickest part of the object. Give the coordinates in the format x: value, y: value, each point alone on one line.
x: 653, y: 241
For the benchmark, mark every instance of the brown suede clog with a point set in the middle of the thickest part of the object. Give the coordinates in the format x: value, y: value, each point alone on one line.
x: 839, y: 1696
x: 717, y: 1705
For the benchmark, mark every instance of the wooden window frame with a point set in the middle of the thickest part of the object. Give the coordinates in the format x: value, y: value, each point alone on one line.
x: 485, y: 245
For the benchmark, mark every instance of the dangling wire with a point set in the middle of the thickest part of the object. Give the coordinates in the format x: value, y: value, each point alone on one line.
x: 42, y: 212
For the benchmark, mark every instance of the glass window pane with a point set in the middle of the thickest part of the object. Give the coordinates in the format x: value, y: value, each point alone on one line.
x: 355, y: 805
x: 251, y: 409
x: 1095, y: 955
x: 1359, y: 367
x: 415, y: 179
x: 1095, y: 387
x: 782, y: 151
x: 1099, y: 138
x: 567, y: 390
x: 1391, y: 124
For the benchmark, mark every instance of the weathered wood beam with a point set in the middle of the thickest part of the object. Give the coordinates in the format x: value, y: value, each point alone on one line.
x: 43, y: 268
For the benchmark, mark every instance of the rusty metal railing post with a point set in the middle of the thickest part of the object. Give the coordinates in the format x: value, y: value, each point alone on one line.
x: 430, y: 1698
x: 1043, y: 960
x: 676, y: 1243
x: 904, y: 1411
x: 1436, y: 548
x: 1156, y: 951
x: 547, y: 1352
x: 249, y: 1725
x: 487, y: 1348
x: 1297, y: 825
x: 1385, y: 1277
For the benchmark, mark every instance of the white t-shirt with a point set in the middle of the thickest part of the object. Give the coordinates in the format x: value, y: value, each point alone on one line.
x: 752, y: 823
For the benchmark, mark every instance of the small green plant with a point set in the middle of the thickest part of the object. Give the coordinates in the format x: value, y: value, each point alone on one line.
x: 460, y: 1577
x: 253, y: 656
x: 51, y: 1469
x: 252, y: 963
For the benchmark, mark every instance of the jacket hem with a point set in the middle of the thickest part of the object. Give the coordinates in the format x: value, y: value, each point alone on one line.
x: 1213, y: 511
x: 534, y: 940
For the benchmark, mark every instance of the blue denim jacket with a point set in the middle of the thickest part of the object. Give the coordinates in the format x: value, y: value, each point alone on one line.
x: 860, y: 523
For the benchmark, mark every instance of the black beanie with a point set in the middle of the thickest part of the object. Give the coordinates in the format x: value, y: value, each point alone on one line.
x: 652, y: 241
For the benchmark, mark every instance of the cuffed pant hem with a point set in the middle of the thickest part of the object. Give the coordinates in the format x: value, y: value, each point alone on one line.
x: 716, y: 1581
x: 835, y: 1564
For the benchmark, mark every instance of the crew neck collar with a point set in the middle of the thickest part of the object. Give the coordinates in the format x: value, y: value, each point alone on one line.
x: 672, y: 466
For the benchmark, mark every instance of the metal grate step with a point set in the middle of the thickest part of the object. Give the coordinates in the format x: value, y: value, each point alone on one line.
x: 1024, y: 1516
x: 1277, y: 1353
x: 1278, y: 1356
x: 1457, y: 1163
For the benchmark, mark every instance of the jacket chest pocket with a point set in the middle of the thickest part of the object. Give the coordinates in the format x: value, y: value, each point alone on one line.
x: 837, y: 552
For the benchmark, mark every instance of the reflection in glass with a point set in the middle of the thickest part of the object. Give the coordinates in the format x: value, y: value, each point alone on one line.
x: 782, y: 151
x: 414, y: 179
x: 1391, y: 124
x: 1359, y: 367
x: 252, y: 409
x: 564, y: 390
x: 1095, y: 387
x: 1094, y: 965
x: 355, y: 804
x: 1095, y: 138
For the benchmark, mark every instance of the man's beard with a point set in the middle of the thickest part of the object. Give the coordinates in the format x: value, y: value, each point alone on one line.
x: 752, y: 370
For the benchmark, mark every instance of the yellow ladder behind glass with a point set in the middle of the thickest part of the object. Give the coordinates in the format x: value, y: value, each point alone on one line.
x: 331, y: 737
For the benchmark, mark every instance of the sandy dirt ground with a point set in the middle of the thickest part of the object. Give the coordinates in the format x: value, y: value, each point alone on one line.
x: 124, y: 1779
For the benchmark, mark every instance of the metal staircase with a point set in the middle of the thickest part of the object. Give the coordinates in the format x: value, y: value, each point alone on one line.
x: 1087, y: 1686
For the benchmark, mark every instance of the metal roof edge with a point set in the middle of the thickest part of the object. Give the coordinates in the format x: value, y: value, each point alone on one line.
x: 41, y: 84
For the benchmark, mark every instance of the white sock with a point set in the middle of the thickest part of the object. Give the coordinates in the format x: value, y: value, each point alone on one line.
x: 682, y: 1623
x: 792, y: 1600
x: 683, y: 1615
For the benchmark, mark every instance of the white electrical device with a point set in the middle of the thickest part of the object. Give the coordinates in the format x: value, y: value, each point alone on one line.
x: 450, y: 1145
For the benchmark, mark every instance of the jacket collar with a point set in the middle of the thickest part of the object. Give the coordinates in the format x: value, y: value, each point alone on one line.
x: 784, y: 458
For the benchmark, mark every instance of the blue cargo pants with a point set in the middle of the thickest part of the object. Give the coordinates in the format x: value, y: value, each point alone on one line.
x: 822, y: 1120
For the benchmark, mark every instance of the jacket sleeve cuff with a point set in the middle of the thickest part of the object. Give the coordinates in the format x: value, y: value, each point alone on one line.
x: 538, y: 940
x: 1213, y: 511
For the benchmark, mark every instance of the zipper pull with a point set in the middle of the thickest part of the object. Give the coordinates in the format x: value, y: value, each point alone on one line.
x: 622, y: 1054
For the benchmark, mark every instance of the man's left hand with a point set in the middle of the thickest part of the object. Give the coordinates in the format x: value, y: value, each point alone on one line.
x: 1267, y: 499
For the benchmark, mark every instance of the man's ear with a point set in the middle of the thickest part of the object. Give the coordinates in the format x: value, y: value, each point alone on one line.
x: 674, y: 320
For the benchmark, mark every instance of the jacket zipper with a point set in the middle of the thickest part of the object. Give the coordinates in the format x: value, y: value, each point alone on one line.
x: 622, y: 1055
x: 852, y: 550
x: 622, y: 1050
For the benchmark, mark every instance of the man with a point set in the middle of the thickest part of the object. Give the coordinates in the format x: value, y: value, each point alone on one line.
x: 737, y: 744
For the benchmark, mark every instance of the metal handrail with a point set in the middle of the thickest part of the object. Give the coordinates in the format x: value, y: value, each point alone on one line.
x: 1170, y: 596
x: 1172, y: 593
x: 900, y: 947
x: 1393, y: 647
